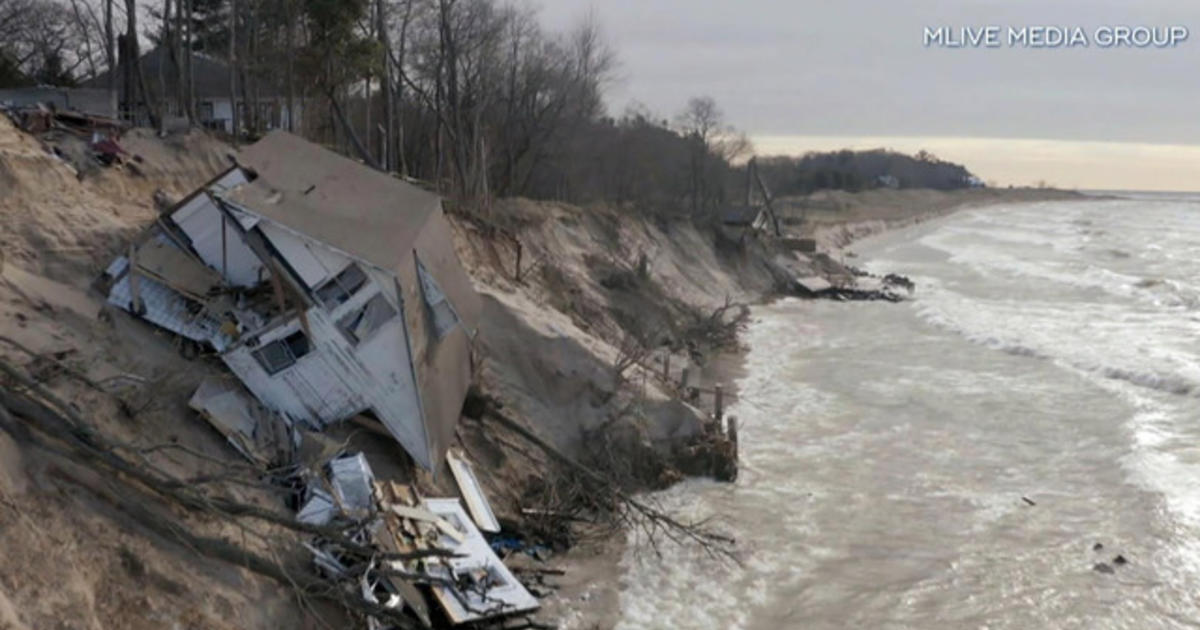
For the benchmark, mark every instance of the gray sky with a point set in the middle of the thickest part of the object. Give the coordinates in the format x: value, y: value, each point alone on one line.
x: 792, y: 72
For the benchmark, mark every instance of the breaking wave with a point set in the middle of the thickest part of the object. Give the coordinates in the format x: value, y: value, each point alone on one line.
x: 1054, y: 344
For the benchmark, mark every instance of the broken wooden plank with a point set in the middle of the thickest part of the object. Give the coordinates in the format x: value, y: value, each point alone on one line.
x: 414, y: 513
x: 472, y: 493
x: 486, y: 588
x: 169, y: 265
x: 421, y: 514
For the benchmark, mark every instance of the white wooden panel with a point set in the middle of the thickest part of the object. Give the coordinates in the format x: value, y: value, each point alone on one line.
x: 235, y: 177
x: 395, y: 402
x: 274, y: 393
x: 337, y: 379
x: 167, y: 309
x: 313, y: 263
x: 202, y: 222
x: 325, y: 388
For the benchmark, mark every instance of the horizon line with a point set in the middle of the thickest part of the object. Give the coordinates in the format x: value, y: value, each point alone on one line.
x: 1070, y: 164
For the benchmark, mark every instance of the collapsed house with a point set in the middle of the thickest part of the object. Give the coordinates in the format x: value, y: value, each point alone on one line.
x: 329, y: 289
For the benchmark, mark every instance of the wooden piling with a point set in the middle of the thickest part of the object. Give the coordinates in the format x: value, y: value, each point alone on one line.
x: 683, y: 378
x: 718, y: 402
x: 666, y: 375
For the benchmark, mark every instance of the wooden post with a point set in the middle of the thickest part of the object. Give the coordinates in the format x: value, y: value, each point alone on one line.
x: 224, y: 248
x: 134, y: 290
x: 718, y: 402
x: 383, y: 146
x: 667, y: 367
x: 683, y: 378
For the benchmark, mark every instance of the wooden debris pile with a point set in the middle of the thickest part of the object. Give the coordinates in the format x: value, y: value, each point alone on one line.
x: 85, y: 140
x: 428, y: 558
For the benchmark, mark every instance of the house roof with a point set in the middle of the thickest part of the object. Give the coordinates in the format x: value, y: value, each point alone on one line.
x: 333, y: 199
x: 211, y: 75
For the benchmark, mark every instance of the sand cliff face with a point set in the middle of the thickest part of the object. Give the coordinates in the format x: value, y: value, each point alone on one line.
x: 71, y: 559
x: 582, y: 306
x: 599, y: 289
x: 596, y: 288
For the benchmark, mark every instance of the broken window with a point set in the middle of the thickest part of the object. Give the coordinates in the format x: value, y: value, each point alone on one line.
x: 339, y: 288
x: 361, y: 322
x: 282, y: 353
x: 440, y: 309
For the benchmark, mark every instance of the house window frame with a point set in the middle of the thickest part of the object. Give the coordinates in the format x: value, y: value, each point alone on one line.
x: 338, y: 281
x: 289, y: 349
x: 342, y: 322
x: 434, y: 298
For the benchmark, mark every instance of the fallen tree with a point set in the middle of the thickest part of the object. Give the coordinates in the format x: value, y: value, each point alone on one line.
x: 34, y: 415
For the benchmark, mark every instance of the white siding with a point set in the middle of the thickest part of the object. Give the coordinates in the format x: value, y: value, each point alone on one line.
x: 166, y: 308
x: 336, y: 379
x: 223, y: 112
x: 272, y: 392
x: 202, y: 222
x: 313, y: 262
x: 396, y: 403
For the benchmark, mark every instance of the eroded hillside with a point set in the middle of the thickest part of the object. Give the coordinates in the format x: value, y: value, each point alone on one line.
x: 570, y: 346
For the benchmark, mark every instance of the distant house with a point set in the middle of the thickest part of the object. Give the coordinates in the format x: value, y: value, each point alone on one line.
x: 214, y: 108
x: 93, y: 101
x: 330, y: 290
x: 887, y: 181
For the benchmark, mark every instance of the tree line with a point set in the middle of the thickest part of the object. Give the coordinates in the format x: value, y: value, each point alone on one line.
x: 860, y: 170
x: 475, y: 97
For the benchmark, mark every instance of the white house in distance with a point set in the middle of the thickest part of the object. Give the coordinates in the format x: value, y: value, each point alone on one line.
x: 214, y: 108
x: 330, y: 289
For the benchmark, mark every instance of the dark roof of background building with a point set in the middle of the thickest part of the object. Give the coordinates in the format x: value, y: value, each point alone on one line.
x: 211, y: 75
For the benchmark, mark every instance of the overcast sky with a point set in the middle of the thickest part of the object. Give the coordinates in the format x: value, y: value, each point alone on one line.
x: 796, y: 74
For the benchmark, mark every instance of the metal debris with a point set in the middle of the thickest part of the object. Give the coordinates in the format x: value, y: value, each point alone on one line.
x: 352, y: 482
x: 426, y: 547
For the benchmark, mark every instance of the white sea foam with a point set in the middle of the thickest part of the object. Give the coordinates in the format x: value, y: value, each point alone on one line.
x: 884, y: 459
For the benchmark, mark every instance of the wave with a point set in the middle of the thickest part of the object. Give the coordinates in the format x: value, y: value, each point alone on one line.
x: 1050, y: 345
x: 1129, y: 267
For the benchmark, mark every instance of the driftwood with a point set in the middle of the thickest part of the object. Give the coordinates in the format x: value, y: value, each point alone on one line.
x: 650, y: 519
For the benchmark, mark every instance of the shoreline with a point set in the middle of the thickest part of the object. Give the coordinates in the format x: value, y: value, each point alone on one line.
x: 589, y: 596
x: 559, y: 307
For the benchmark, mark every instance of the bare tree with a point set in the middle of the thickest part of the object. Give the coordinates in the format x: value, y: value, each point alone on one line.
x: 712, y: 143
x: 233, y: 103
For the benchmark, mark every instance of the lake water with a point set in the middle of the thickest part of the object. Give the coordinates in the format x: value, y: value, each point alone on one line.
x: 1050, y: 353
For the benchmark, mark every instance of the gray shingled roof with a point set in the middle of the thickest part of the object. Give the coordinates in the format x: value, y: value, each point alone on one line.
x: 211, y: 75
x: 336, y: 200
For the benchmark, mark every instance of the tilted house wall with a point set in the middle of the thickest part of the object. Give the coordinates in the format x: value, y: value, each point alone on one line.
x: 380, y: 313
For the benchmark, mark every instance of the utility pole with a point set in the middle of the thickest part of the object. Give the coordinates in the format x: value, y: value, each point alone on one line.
x: 111, y: 55
x: 389, y: 114
x: 233, y: 105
